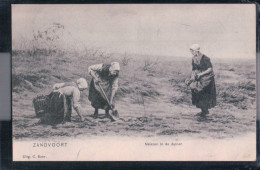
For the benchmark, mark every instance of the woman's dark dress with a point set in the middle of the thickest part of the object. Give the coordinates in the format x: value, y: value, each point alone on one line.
x: 57, y: 110
x: 207, y: 97
x: 96, y: 97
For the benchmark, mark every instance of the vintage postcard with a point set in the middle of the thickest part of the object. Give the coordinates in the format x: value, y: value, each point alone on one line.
x: 154, y: 82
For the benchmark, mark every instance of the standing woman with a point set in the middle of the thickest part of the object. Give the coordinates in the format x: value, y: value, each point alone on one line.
x: 107, y: 76
x: 202, y: 82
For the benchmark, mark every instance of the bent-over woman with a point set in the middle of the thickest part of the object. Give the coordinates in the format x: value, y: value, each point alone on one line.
x: 107, y: 76
x: 202, y: 82
x: 58, y: 104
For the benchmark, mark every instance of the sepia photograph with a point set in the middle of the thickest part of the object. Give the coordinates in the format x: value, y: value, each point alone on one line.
x: 134, y: 82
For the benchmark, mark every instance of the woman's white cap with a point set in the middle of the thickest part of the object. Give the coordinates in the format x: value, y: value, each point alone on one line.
x: 82, y: 83
x: 195, y: 47
x: 114, y: 66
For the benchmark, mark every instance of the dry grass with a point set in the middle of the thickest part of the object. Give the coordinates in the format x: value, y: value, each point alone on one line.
x: 152, y: 101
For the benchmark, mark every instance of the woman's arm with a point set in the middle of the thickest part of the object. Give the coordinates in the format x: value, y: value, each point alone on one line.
x: 76, y: 103
x: 61, y: 85
x: 79, y: 111
x: 94, y: 76
x: 209, y: 70
x: 208, y: 65
x: 114, y: 89
x: 58, y: 86
x: 92, y: 70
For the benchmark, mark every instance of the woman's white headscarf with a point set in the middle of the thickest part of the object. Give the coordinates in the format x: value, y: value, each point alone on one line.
x: 114, y: 66
x: 82, y: 83
x: 195, y: 47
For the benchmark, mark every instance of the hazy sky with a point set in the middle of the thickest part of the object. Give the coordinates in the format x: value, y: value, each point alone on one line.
x: 221, y: 30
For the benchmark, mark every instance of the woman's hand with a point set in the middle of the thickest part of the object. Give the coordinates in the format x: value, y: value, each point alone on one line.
x: 111, y: 102
x: 187, y: 82
x: 97, y: 81
x: 112, y: 106
x: 82, y: 119
x: 199, y: 75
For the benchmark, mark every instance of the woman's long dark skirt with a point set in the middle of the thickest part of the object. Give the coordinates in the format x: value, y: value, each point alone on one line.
x: 206, y: 98
x: 96, y: 98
